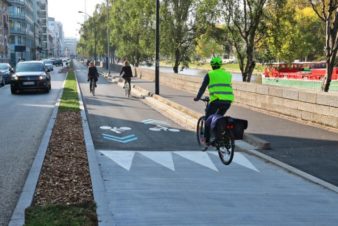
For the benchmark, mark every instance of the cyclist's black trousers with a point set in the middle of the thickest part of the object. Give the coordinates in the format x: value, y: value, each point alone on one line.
x: 219, y: 106
x: 127, y: 79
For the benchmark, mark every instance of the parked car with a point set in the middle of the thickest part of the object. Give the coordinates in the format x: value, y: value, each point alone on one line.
x: 48, y: 65
x: 30, y: 75
x: 2, y: 80
x: 6, y: 71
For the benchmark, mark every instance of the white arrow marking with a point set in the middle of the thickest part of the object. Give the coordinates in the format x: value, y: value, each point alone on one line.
x: 240, y: 159
x: 163, y: 158
x: 201, y: 158
x: 122, y: 158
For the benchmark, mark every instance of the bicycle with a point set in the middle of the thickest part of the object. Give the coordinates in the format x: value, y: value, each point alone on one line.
x: 127, y: 88
x: 92, y: 86
x: 224, y: 142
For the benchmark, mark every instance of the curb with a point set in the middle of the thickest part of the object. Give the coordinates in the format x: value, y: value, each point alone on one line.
x: 27, y: 193
x: 188, y: 117
x: 102, y: 210
x: 293, y: 170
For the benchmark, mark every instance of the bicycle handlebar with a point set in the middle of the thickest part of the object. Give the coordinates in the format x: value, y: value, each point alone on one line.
x: 205, y: 99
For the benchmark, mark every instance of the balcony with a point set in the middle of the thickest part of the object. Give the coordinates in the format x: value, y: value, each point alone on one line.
x: 17, y: 2
x: 30, y: 33
x: 16, y: 16
x: 29, y: 6
x: 17, y: 31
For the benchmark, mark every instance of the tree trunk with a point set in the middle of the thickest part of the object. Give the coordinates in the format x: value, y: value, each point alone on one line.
x: 177, y: 61
x: 328, y: 76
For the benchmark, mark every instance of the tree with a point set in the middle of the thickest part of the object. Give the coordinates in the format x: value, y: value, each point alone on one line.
x: 178, y: 32
x: 327, y: 11
x: 207, y: 46
x: 132, y: 24
x: 243, y: 18
x: 292, y: 31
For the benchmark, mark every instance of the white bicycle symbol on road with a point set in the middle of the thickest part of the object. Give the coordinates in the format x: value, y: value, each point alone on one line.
x: 159, y: 126
x: 114, y: 129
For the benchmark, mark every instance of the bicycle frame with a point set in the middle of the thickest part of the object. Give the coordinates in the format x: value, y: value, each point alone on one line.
x: 92, y: 86
x: 225, y: 145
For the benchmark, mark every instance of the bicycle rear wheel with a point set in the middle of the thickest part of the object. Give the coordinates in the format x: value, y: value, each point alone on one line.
x: 93, y: 87
x: 226, y: 150
x: 200, y: 132
x: 127, y: 89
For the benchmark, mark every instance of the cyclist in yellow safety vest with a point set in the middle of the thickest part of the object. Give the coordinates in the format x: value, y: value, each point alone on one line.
x: 219, y: 83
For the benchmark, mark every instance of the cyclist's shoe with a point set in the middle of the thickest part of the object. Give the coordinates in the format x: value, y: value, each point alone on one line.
x: 95, y: 85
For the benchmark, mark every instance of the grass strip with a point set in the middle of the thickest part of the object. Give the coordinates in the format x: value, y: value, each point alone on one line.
x: 70, y: 99
x: 59, y: 215
x: 64, y: 215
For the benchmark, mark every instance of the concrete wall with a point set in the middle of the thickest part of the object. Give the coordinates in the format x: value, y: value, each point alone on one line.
x: 316, y: 107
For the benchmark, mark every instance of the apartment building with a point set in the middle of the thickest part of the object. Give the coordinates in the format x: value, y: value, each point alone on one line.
x: 56, y: 31
x: 70, y: 47
x: 4, y: 31
x: 28, y: 30
x: 43, y: 17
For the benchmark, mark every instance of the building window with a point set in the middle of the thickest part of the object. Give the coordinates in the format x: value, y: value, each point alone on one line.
x: 12, y: 39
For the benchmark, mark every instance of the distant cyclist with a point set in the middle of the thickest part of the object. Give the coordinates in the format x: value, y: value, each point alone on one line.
x: 93, y: 74
x: 126, y: 73
x: 219, y: 83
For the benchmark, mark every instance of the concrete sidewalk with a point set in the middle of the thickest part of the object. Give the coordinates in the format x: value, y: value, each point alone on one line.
x: 305, y: 147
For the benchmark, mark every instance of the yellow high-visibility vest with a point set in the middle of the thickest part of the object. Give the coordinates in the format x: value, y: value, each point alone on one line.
x: 220, y: 85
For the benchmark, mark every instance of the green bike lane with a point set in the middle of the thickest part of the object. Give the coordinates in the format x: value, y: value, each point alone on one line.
x: 162, y: 177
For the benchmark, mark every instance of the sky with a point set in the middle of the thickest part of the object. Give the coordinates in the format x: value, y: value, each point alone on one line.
x: 66, y: 12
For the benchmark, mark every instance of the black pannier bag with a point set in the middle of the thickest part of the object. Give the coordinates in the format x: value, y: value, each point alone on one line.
x: 230, y: 125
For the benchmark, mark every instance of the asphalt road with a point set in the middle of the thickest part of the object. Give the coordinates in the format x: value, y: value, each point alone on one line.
x: 111, y: 116
x: 23, y: 120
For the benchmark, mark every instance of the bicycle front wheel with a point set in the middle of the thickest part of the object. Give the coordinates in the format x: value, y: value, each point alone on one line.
x: 200, y: 132
x: 226, y: 150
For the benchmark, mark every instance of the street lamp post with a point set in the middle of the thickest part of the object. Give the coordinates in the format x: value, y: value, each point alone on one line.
x: 157, y: 63
x: 107, y: 58
x: 95, y: 57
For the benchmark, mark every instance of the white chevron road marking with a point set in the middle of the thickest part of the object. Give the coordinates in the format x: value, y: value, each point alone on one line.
x: 165, y: 158
x: 240, y: 159
x: 122, y: 158
x: 201, y: 158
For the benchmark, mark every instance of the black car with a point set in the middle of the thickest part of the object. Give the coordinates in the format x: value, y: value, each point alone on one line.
x: 6, y: 71
x: 58, y: 62
x: 30, y: 75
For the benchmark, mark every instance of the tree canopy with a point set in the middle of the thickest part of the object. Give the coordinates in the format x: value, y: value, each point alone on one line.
x: 251, y: 30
